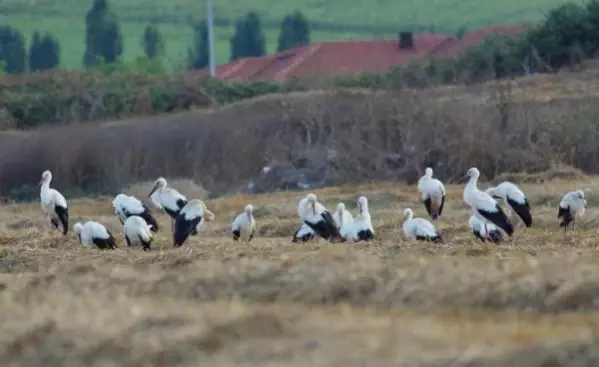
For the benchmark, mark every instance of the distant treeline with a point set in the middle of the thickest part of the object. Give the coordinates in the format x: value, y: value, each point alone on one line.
x: 174, y: 18
x: 104, y: 43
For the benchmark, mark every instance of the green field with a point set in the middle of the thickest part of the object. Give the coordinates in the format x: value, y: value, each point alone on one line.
x: 333, y: 19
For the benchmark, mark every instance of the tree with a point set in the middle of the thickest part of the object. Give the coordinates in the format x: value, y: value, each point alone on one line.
x: 44, y: 52
x: 565, y: 29
x: 153, y: 43
x: 34, y: 51
x: 103, y: 37
x: 198, y: 55
x: 248, y: 39
x: 12, y: 50
x: 295, y: 32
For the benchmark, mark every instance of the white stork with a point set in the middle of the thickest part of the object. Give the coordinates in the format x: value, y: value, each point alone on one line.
x: 126, y: 206
x: 304, y: 233
x: 343, y: 221
x: 317, y: 217
x: 138, y: 232
x: 484, y: 230
x: 169, y: 199
x: 484, y: 207
x: 362, y: 226
x: 189, y: 218
x: 92, y: 234
x: 419, y: 228
x: 515, y: 198
x: 433, y: 193
x: 573, y: 204
x: 244, y: 225
x: 54, y: 204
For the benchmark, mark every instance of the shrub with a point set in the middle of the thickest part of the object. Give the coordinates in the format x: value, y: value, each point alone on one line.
x: 67, y: 97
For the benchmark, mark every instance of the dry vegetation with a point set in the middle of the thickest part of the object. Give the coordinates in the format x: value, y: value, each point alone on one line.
x: 524, y: 125
x: 389, y: 303
x: 216, y: 302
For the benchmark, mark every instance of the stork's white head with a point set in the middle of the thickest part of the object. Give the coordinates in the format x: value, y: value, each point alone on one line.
x: 340, y: 207
x: 472, y: 173
x: 46, y: 177
x: 428, y: 172
x: 580, y: 194
x: 408, y: 214
x: 362, y: 204
x: 266, y: 169
x: 160, y: 184
x: 249, y: 209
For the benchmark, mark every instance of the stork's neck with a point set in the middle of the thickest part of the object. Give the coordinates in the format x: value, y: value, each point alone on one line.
x: 471, y: 186
x: 45, y: 187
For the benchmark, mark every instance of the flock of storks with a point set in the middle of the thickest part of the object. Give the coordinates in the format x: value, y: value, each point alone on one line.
x: 487, y: 222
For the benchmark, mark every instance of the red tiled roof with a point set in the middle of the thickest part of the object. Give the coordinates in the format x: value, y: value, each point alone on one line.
x: 328, y: 59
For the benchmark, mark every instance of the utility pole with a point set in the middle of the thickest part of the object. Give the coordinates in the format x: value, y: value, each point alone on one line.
x: 211, y: 39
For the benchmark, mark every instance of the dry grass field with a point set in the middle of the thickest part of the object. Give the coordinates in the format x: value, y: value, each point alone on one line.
x: 392, y: 302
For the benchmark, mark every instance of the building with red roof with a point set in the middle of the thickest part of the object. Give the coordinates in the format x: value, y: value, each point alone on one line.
x: 335, y: 58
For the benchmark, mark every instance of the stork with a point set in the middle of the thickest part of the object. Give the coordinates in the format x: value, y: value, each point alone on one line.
x: 189, y: 218
x: 244, y: 225
x: 54, y: 204
x: 138, y: 232
x: 515, y: 198
x: 483, y: 205
x: 419, y: 228
x: 433, y: 193
x: 573, y: 204
x: 315, y: 215
x: 169, y: 199
x: 126, y: 206
x: 94, y: 234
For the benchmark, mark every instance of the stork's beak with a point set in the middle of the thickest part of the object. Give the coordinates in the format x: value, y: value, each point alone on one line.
x: 153, y: 189
x: 464, y: 179
x: 314, y: 208
x: 41, y: 182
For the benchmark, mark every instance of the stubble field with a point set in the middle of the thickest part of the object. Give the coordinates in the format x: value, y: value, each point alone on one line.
x: 531, y: 302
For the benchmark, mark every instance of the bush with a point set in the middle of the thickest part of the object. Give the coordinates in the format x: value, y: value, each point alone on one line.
x: 67, y: 97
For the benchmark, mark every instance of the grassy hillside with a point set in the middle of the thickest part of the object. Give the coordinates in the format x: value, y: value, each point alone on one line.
x: 338, y: 19
x: 392, y: 302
